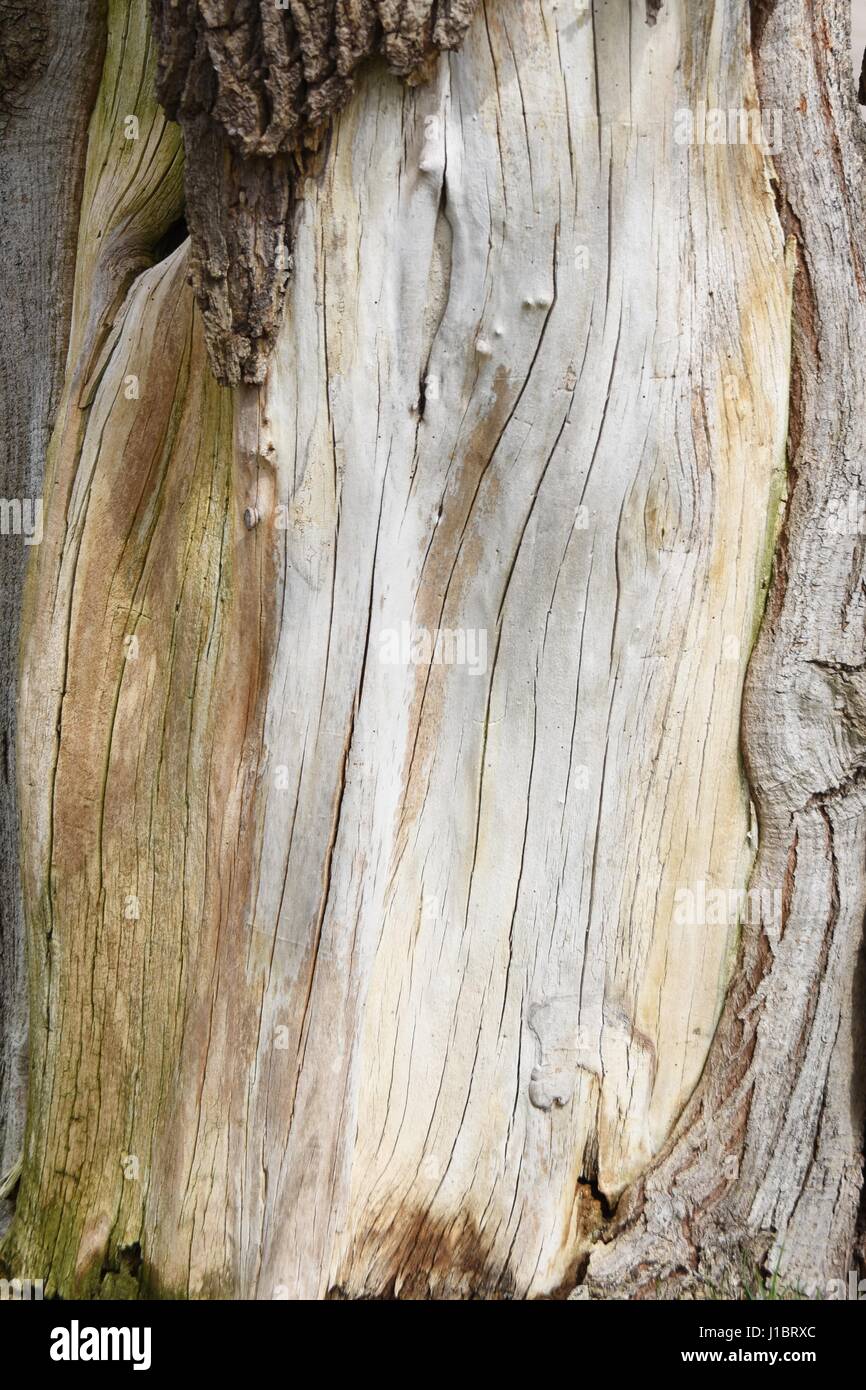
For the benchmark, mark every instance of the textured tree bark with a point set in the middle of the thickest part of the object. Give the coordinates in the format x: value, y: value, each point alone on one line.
x: 380, y: 736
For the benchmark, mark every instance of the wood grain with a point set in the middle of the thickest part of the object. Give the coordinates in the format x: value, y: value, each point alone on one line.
x: 410, y: 998
x: 50, y: 62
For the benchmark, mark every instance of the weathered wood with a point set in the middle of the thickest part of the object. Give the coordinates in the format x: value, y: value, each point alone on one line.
x: 361, y: 974
x: 765, y: 1173
x: 50, y: 63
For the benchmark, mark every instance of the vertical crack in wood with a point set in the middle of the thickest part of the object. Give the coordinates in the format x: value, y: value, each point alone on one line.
x: 50, y: 60
x: 764, y: 1175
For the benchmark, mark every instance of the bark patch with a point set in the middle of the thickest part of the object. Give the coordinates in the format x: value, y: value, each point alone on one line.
x: 253, y: 87
x: 24, y: 36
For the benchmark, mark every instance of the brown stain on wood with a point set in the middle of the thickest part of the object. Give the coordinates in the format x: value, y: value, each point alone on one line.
x: 159, y: 751
x: 413, y: 1255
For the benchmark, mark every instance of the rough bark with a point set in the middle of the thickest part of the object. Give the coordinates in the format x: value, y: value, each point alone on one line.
x: 50, y: 63
x: 765, y: 1171
x: 254, y: 87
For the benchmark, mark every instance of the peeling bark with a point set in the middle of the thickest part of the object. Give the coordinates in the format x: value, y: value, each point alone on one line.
x: 254, y: 88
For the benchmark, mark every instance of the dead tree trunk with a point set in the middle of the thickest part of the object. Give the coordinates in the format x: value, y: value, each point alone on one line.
x: 386, y: 838
x: 50, y: 63
x: 768, y: 1157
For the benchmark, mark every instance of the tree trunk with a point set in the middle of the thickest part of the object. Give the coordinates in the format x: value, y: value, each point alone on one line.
x: 385, y: 833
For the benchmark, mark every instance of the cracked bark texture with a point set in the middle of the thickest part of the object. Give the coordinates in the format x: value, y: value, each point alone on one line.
x: 50, y: 62
x: 766, y: 1167
x: 254, y: 87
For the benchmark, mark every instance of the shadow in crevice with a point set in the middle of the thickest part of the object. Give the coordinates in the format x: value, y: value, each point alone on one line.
x: 171, y: 239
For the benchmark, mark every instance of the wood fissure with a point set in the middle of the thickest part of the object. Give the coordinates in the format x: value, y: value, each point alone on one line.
x: 254, y: 86
x: 783, y: 1096
x: 50, y: 61
x: 385, y: 824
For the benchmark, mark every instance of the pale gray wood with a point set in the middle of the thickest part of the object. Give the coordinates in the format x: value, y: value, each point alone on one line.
x: 405, y: 991
x: 404, y: 1006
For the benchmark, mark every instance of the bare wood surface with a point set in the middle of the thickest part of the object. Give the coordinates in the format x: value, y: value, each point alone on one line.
x: 367, y: 975
x: 50, y: 63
